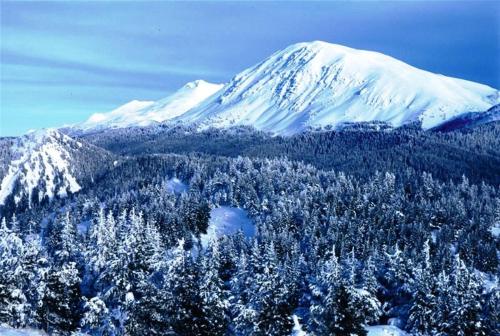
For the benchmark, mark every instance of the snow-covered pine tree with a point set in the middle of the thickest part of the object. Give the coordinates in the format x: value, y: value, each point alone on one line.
x: 213, y: 295
x: 62, y: 301
x: 13, y: 302
x: 147, y: 312
x: 272, y: 298
x: 242, y: 315
x: 182, y: 297
x: 34, y: 279
x: 97, y: 319
x: 348, y: 320
x: 424, y: 303
x: 324, y: 287
x: 62, y: 240
x: 368, y: 276
x: 466, y: 303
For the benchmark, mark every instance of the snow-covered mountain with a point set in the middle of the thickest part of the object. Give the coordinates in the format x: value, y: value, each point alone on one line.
x: 145, y: 113
x: 310, y: 85
x: 317, y: 84
x: 46, y: 163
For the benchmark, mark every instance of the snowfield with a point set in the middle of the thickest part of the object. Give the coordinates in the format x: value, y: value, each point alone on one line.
x: 311, y: 85
x: 385, y: 330
x: 176, y: 186
x: 317, y: 84
x: 8, y: 331
x: 225, y: 221
x: 378, y: 330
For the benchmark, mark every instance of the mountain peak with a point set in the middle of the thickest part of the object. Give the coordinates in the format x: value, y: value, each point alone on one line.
x: 199, y: 83
x: 318, y: 46
x: 42, y: 133
x: 40, y: 161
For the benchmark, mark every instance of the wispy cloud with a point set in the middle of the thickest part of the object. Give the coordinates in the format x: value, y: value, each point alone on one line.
x: 142, y: 76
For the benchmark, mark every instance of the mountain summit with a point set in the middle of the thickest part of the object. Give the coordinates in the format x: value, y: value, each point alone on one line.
x: 317, y: 84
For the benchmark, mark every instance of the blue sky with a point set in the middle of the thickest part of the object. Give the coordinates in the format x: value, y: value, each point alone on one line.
x: 62, y: 61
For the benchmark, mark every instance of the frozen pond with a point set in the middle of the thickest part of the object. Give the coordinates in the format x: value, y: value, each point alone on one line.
x: 226, y: 221
x: 176, y: 186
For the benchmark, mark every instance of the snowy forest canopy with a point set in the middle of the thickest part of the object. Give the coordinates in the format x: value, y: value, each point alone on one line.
x: 355, y: 228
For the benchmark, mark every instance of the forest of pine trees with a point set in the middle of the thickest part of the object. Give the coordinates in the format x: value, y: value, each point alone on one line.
x: 338, y: 251
x: 122, y: 281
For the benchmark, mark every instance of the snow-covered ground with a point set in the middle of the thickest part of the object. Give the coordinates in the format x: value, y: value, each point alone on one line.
x: 225, y: 221
x: 378, y: 330
x: 8, y: 331
x: 385, y: 330
x: 176, y: 186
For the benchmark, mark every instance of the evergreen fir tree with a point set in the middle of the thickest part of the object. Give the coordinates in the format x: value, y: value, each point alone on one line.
x: 465, y: 315
x: 424, y: 303
x: 13, y: 302
x: 62, y: 300
x: 33, y: 277
x: 213, y: 294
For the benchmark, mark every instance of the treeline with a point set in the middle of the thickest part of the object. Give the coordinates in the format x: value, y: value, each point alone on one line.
x: 357, y: 150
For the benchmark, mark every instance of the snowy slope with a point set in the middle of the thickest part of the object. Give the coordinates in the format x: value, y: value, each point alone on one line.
x: 45, y: 163
x: 145, y: 113
x: 318, y: 84
x: 378, y: 330
x: 176, y: 186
